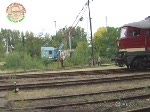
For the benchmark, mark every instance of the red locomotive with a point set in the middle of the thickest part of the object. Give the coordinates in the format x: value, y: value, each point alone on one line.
x: 134, y: 45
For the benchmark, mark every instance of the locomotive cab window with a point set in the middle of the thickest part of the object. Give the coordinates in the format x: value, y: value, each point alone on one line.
x: 148, y: 33
x: 123, y: 33
x: 134, y: 33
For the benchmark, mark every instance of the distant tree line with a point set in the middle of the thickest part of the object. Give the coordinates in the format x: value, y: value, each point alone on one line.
x: 15, y: 44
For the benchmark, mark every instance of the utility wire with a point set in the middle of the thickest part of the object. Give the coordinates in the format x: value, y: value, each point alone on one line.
x: 84, y: 8
x: 81, y: 18
x: 78, y: 16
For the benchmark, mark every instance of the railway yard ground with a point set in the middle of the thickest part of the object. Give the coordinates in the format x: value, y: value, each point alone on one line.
x: 87, y: 89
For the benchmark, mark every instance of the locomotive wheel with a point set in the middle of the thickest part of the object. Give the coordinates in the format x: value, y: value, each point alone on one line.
x: 133, y: 65
x: 140, y: 66
x: 120, y: 63
x: 137, y: 64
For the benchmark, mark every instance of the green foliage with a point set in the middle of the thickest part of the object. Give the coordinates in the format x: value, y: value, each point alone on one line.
x: 105, y: 60
x: 105, y: 41
x: 19, y: 43
x: 54, y: 65
x: 16, y: 61
x: 80, y: 55
x: 46, y: 62
x: 33, y: 46
x: 104, y: 45
x: 2, y: 48
x: 76, y: 34
x: 13, y: 61
x: 33, y: 63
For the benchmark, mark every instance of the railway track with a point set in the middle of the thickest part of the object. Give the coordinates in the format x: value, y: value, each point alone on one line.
x: 74, y: 82
x: 20, y: 75
x: 86, y: 94
x: 68, y: 103
x: 4, y: 78
x: 144, y: 109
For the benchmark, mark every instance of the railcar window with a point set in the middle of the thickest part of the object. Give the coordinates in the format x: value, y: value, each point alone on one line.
x: 123, y: 33
x: 50, y: 52
x: 148, y: 33
x: 134, y: 33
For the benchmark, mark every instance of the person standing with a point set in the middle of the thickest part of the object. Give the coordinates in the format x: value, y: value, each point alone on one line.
x: 62, y: 62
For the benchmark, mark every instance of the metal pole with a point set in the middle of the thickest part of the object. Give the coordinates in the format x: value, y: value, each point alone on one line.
x: 70, y: 40
x: 106, y: 23
x: 55, y: 27
x: 24, y: 53
x: 7, y: 42
x: 91, y: 33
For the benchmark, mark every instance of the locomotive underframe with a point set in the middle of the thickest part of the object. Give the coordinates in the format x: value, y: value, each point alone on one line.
x: 133, y: 60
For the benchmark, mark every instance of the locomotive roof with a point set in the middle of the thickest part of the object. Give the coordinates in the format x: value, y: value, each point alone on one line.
x: 144, y: 24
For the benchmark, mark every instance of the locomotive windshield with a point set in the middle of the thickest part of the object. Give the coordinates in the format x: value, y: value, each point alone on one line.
x: 123, y: 33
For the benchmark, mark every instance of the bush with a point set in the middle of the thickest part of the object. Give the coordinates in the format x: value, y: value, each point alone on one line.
x: 16, y: 61
x: 106, y: 60
x: 13, y: 61
x: 33, y: 63
x: 80, y: 55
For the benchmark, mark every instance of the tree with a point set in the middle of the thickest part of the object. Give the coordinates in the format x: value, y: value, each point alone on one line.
x: 81, y: 54
x: 10, y: 39
x: 28, y: 44
x: 76, y: 34
x: 2, y: 45
x: 105, y: 41
x: 33, y: 44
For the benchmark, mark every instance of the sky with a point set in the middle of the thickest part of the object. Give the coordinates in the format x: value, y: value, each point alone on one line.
x: 48, y: 16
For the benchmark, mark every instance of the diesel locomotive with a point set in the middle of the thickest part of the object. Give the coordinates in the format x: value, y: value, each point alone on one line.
x: 134, y: 45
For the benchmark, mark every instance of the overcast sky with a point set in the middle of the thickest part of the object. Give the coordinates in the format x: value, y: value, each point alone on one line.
x: 41, y: 14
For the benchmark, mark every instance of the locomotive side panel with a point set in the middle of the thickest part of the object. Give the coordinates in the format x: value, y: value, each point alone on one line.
x: 134, y: 39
